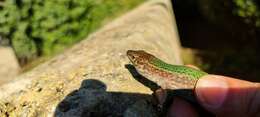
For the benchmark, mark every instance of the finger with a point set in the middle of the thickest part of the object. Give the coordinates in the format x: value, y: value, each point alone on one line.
x: 192, y: 66
x: 226, y: 96
x: 181, y: 108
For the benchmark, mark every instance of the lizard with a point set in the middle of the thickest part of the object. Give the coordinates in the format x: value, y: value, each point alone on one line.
x: 167, y: 76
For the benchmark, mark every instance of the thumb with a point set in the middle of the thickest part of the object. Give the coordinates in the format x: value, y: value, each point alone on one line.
x: 226, y: 96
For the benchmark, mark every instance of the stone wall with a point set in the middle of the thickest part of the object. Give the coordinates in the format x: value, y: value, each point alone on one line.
x: 94, y: 77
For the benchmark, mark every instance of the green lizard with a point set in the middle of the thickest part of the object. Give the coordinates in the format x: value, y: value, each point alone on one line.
x: 167, y: 76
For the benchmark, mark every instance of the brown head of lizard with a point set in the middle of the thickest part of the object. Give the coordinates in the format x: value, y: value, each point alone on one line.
x: 142, y: 62
x: 139, y: 57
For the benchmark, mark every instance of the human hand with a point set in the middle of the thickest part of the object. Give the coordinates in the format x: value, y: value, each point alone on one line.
x: 223, y: 96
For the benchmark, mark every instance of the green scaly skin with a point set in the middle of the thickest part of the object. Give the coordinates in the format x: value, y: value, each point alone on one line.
x: 179, y: 69
x: 176, y: 78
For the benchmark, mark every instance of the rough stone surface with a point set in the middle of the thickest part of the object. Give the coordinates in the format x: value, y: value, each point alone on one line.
x: 93, y: 78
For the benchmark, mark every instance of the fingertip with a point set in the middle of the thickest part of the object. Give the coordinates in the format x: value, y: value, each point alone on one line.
x: 211, y: 91
x: 227, y: 96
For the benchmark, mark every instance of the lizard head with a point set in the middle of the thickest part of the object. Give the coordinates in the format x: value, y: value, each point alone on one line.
x: 139, y: 57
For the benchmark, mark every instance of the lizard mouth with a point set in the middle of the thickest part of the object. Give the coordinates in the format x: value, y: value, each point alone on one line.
x: 131, y: 60
x: 130, y: 55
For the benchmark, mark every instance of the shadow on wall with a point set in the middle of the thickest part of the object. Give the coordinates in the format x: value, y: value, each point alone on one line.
x: 92, y: 100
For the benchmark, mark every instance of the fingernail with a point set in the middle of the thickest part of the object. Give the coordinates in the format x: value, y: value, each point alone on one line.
x: 211, y: 91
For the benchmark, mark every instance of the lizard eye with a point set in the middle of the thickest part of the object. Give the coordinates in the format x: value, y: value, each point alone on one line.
x: 133, y: 57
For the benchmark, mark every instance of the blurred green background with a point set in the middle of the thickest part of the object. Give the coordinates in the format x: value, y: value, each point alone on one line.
x: 219, y: 36
x: 41, y: 28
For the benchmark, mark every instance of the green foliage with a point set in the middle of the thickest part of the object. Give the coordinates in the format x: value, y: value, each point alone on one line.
x: 22, y: 44
x: 249, y: 10
x: 219, y: 11
x: 45, y: 27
